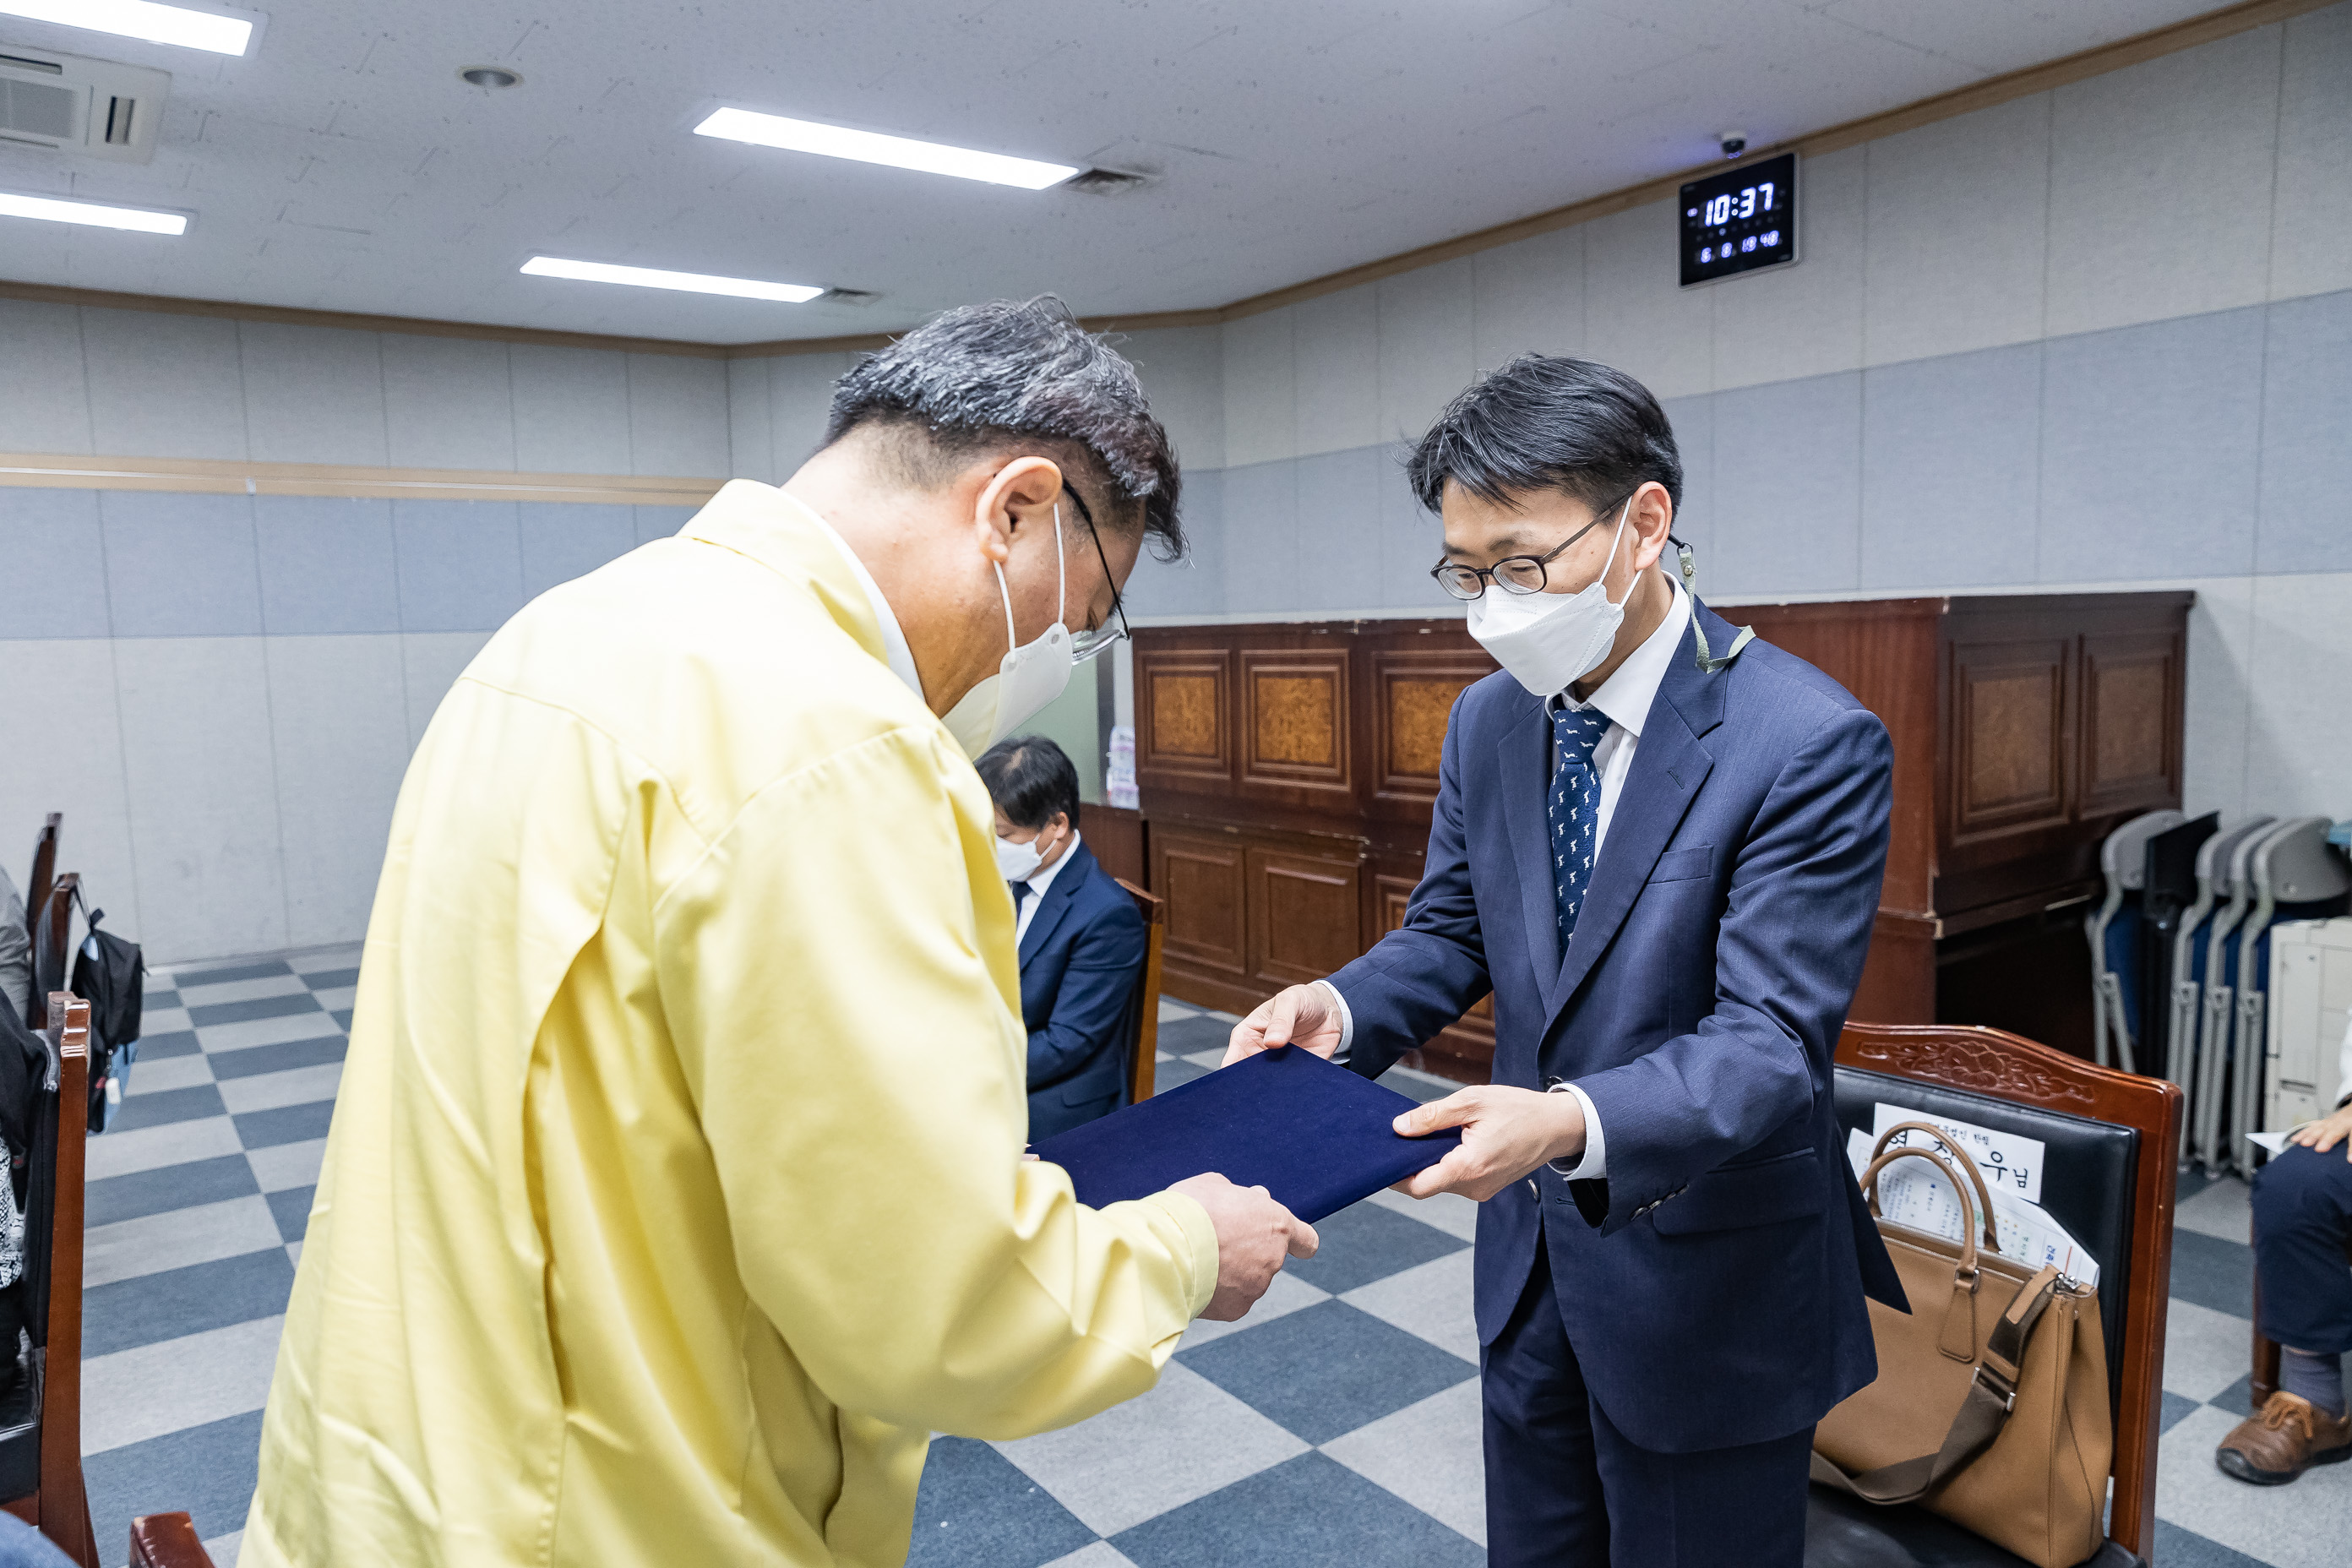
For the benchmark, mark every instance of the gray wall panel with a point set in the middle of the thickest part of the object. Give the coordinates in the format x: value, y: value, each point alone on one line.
x: 326, y: 565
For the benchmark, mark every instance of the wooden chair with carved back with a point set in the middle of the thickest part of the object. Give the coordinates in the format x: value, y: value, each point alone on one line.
x: 2107, y: 1176
x: 166, y: 1540
x: 45, y: 866
x: 52, y: 943
x: 40, y: 1421
x: 1140, y: 1023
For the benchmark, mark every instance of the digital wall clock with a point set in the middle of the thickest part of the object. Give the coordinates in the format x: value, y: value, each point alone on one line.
x: 1740, y: 220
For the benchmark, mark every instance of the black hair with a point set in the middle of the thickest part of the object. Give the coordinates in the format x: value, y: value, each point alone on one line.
x: 986, y: 377
x: 1030, y: 778
x: 1548, y: 422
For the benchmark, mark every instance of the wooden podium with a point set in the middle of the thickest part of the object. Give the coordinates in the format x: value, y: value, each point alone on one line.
x: 1287, y: 773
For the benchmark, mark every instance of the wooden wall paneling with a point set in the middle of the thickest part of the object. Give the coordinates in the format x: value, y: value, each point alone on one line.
x: 2132, y: 688
x: 1199, y: 875
x: 1465, y: 1051
x: 1297, y: 740
x: 1412, y: 695
x: 1305, y: 912
x: 2010, y: 730
x: 1183, y: 718
x: 1116, y: 834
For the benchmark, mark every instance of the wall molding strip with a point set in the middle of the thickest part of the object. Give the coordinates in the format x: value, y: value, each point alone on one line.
x: 2124, y: 52
x: 211, y: 476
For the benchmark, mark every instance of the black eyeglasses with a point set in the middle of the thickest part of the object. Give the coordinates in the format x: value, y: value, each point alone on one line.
x: 1514, y: 574
x: 1084, y: 646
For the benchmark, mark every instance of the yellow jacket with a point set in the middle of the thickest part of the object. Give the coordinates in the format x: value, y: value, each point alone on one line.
x: 673, y: 1193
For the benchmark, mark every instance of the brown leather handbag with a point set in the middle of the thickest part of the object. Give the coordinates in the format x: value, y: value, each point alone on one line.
x: 1991, y: 1404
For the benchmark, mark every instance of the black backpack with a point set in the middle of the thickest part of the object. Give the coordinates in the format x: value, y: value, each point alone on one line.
x: 111, y: 975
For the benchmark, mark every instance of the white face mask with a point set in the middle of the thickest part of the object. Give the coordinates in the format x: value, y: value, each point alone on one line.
x: 1031, y: 675
x: 1019, y: 862
x: 1549, y: 640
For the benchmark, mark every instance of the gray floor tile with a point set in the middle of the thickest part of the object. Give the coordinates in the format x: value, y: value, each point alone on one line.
x: 2176, y: 1408
x: 140, y: 1110
x: 1313, y: 1513
x: 314, y: 1025
x: 1449, y: 1212
x: 181, y: 1301
x: 342, y: 1017
x: 1417, y: 1086
x: 173, y: 1384
x: 154, y: 997
x: 976, y: 1511
x: 1201, y: 1032
x: 131, y: 1248
x: 1431, y: 1301
x: 2179, y: 1548
x: 336, y: 998
x: 175, y: 1043
x: 319, y: 963
x: 259, y: 1008
x: 1169, y: 1012
x: 1288, y: 1294
x: 1172, y: 1072
x: 2219, y: 1211
x: 329, y: 979
x: 118, y: 1198
x: 1099, y: 1554
x: 119, y: 1154
x: 2238, y: 1399
x: 269, y: 1090
x: 208, y: 1470
x: 1326, y: 1369
x: 162, y: 1019
x: 223, y: 974
x: 293, y: 1124
x: 224, y: 1550
x: 2213, y: 1273
x: 1183, y: 1440
x: 1431, y: 1454
x: 143, y: 1077
x: 283, y: 1165
x: 2302, y: 1525
x: 2204, y: 1351
x: 196, y: 998
x: 256, y: 1059
x: 291, y: 1206
x: 1365, y: 1242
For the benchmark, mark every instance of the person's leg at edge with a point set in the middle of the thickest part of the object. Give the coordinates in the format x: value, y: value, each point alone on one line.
x: 1544, y: 1507
x: 2303, y: 1215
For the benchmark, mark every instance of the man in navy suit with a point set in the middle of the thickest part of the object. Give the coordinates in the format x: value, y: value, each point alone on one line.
x: 1080, y: 938
x: 1660, y: 851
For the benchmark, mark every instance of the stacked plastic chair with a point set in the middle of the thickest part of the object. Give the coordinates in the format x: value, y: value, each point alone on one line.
x: 2217, y: 1028
x: 2115, y: 932
x: 2190, y: 947
x: 2296, y: 877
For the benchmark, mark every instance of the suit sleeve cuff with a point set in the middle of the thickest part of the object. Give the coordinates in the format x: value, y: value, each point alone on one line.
x: 1347, y: 1021
x: 1594, y: 1165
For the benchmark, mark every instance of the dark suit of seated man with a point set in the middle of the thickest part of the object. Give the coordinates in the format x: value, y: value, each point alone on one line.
x: 1080, y: 938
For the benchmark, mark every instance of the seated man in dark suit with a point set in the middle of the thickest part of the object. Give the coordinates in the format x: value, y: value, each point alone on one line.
x: 1080, y: 938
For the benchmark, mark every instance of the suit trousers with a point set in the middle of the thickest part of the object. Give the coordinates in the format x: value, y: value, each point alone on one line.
x: 1565, y: 1489
x: 2303, y: 1217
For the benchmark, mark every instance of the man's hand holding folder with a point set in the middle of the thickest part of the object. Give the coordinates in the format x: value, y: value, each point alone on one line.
x: 1505, y: 1133
x: 1254, y: 1235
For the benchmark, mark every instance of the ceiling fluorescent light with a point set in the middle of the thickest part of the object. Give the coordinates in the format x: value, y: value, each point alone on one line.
x: 90, y: 213
x: 142, y: 20
x: 868, y: 147
x: 653, y: 277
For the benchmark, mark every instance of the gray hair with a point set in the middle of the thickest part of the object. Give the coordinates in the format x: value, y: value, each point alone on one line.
x: 984, y: 377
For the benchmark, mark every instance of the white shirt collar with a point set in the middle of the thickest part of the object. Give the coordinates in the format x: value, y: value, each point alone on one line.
x: 1625, y: 696
x: 1044, y: 879
x: 894, y: 651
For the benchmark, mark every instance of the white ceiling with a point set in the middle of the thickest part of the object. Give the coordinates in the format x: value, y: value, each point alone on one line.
x: 342, y: 165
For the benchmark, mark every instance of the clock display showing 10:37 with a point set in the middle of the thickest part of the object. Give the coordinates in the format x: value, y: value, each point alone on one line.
x: 1740, y: 220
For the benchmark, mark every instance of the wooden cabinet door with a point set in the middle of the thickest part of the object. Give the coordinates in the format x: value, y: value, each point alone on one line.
x: 2009, y: 740
x: 1183, y: 719
x: 1200, y: 876
x: 2132, y: 699
x: 1304, y: 913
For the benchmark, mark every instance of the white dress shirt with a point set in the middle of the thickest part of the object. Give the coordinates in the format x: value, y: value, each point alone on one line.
x: 1037, y: 885
x: 1625, y: 696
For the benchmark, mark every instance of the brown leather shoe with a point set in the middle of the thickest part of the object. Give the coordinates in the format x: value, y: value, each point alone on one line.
x: 2285, y: 1438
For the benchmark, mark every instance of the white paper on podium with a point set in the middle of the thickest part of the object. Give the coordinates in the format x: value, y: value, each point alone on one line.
x: 1911, y: 1193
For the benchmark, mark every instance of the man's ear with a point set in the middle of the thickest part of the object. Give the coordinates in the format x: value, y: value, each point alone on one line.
x: 1651, y: 520
x: 1010, y: 495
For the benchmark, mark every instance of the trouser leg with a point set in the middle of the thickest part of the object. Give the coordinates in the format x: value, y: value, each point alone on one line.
x: 2303, y: 1215
x: 1743, y: 1505
x: 1544, y: 1505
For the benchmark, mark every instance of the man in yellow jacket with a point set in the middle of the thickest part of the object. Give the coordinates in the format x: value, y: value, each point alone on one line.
x: 675, y: 1192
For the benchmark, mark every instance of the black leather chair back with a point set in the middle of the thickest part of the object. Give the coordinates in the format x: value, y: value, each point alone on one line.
x: 2086, y: 1181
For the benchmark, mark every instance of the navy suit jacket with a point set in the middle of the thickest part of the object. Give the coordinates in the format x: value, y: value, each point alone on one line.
x: 1712, y: 1284
x: 1079, y: 961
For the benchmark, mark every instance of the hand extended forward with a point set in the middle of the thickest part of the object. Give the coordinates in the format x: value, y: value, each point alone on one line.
x: 1255, y: 1234
x: 1298, y: 1016
x: 1506, y: 1133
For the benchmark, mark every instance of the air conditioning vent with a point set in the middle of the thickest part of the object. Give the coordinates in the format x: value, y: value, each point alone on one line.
x: 95, y: 108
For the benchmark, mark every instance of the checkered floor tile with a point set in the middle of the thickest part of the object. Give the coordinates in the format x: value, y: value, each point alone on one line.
x: 1337, y: 1424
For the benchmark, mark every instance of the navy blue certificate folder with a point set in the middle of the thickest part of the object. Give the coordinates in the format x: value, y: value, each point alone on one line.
x: 1315, y: 1136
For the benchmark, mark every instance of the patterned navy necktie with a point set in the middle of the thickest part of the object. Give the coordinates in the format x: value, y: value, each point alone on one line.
x: 1575, y: 809
x: 1021, y: 891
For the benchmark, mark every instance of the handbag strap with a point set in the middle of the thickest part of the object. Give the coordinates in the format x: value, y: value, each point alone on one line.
x: 1992, y: 1393
x: 1958, y: 1156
